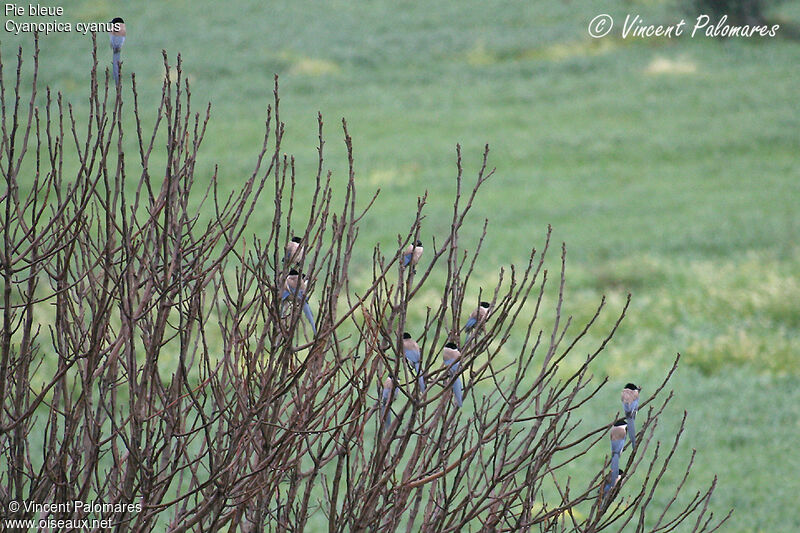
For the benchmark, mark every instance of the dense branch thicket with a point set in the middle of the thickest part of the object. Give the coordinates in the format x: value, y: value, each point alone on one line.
x: 153, y: 356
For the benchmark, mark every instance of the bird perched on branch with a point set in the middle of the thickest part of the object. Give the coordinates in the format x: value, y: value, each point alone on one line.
x: 452, y: 357
x: 412, y: 353
x: 386, y: 400
x: 295, y: 285
x: 617, y: 435
x: 295, y: 251
x: 476, y: 319
x: 117, y: 35
x: 630, y: 404
x: 412, y: 254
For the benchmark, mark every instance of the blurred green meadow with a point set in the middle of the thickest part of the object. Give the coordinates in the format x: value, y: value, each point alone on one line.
x: 669, y: 167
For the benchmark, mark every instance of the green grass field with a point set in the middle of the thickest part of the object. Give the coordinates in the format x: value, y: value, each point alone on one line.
x: 669, y: 168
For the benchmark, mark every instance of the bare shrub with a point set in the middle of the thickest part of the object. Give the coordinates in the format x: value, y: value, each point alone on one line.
x: 150, y: 355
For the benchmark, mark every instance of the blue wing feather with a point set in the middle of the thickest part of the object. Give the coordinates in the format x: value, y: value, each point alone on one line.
x: 630, y: 418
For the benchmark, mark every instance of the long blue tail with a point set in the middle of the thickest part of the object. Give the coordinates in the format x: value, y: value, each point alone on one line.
x: 309, y: 316
x: 421, y: 379
x: 458, y: 391
x: 115, y: 66
x: 614, y: 466
x: 631, y: 421
x: 386, y: 410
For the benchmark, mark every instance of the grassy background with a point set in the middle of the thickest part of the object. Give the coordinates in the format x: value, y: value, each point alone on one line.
x: 669, y: 167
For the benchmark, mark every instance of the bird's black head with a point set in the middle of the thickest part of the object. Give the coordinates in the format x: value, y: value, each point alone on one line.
x: 418, y: 244
x: 485, y: 305
x: 406, y: 335
x: 451, y: 345
x: 294, y: 272
x: 117, y: 20
x: 620, y: 422
x: 296, y: 239
x: 631, y: 386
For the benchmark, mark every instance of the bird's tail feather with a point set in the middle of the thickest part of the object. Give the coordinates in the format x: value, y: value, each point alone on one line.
x: 115, y: 66
x: 309, y: 316
x: 385, y: 413
x: 421, y: 379
x: 631, y: 430
x: 458, y: 391
x: 614, y: 466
